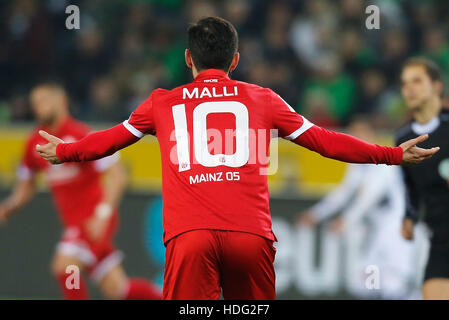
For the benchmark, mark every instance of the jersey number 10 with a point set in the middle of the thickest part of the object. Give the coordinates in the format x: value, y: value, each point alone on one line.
x: 200, y: 142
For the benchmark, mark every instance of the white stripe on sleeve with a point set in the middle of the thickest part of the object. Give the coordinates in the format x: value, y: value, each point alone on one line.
x: 306, y: 125
x: 133, y: 130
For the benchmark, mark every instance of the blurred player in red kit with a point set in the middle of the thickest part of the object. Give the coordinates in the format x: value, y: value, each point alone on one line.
x: 88, y: 207
x: 216, y: 216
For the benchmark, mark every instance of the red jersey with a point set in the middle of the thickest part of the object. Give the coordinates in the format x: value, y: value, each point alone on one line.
x: 75, y: 187
x: 204, y: 187
x: 214, y: 135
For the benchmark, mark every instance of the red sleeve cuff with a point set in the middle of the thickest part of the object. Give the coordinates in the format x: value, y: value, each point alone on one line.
x: 61, y: 152
x: 398, y: 154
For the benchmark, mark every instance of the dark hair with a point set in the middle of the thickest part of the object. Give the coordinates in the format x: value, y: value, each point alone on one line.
x: 432, y: 69
x: 213, y: 42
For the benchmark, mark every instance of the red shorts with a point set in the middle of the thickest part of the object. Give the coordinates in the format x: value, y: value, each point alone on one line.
x: 98, y: 256
x: 201, y: 264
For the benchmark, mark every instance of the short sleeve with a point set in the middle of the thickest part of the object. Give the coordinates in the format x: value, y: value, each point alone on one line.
x: 141, y: 121
x: 289, y: 123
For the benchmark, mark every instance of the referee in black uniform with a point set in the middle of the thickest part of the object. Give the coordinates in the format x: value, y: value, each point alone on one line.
x: 428, y: 182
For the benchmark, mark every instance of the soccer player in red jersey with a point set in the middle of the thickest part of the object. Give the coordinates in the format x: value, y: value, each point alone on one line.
x: 88, y: 208
x: 211, y: 132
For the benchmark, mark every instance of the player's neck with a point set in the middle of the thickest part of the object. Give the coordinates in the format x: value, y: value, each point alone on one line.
x: 196, y: 72
x: 58, y: 122
x: 427, y: 112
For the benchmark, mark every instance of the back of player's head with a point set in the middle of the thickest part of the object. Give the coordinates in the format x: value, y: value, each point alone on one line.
x: 432, y: 69
x: 213, y: 42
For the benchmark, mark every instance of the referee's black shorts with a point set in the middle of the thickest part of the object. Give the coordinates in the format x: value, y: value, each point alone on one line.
x: 438, y: 262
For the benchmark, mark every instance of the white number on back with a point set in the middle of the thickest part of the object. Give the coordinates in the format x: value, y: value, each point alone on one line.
x: 200, y: 145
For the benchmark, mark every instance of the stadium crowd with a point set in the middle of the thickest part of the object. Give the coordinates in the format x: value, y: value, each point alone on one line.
x: 317, y: 54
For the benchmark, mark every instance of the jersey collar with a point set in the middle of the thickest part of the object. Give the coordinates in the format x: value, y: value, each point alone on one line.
x: 428, y: 127
x: 211, y: 74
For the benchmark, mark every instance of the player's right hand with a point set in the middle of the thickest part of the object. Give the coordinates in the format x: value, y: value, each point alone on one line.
x: 48, y: 151
x: 413, y: 154
x: 307, y: 219
x: 407, y: 228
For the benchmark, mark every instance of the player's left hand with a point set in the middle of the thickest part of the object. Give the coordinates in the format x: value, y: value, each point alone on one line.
x: 48, y: 151
x: 413, y: 154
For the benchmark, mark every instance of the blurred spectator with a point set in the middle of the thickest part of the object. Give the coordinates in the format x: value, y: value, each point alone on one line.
x: 394, y: 50
x: 355, y: 55
x: 337, y: 86
x: 436, y: 47
x: 105, y: 99
x: 312, y: 32
x: 372, y: 86
x: 317, y: 107
x: 317, y: 54
x: 352, y: 13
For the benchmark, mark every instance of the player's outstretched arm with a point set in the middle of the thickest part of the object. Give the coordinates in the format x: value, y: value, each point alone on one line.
x: 347, y: 148
x: 22, y: 193
x: 92, y: 147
